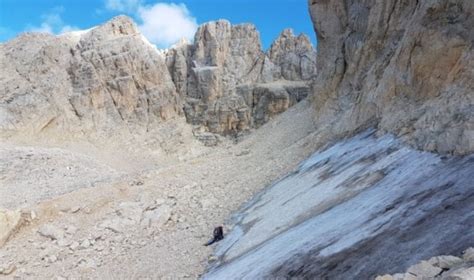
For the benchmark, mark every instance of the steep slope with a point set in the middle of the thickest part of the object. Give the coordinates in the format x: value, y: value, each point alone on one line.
x: 362, y: 207
x: 370, y: 204
x: 404, y: 66
x: 146, y: 224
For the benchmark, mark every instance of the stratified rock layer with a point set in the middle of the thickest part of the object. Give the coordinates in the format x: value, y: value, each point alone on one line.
x: 405, y: 66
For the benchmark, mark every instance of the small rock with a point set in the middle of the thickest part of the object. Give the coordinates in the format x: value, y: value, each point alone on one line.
x: 50, y: 231
x: 99, y: 248
x: 242, y: 153
x: 89, y: 263
x: 424, y: 269
x: 469, y: 255
x: 10, y: 221
x: 85, y: 244
x: 71, y: 230
x: 445, y: 262
x: 158, y: 216
x: 465, y: 273
x: 75, y: 209
x: 52, y: 259
x: 74, y: 245
x: 33, y: 215
x: 64, y: 242
x: 117, y: 224
x: 399, y: 276
x: 409, y: 276
x: 8, y: 269
x: 384, y: 277
x: 130, y: 210
x: 136, y: 183
x: 65, y: 208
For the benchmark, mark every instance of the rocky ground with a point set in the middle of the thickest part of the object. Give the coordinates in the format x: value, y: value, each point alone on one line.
x: 361, y: 207
x: 439, y: 267
x: 138, y: 222
x: 105, y: 179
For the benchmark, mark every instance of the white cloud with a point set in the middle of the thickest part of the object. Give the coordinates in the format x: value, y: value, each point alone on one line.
x: 122, y: 5
x: 52, y: 23
x: 165, y: 24
x: 43, y: 28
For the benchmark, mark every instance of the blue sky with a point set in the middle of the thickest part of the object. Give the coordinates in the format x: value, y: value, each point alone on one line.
x: 161, y: 21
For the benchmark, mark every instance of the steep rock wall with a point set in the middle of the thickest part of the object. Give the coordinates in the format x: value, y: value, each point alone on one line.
x: 110, y: 79
x: 404, y: 66
x: 106, y: 79
x: 225, y: 67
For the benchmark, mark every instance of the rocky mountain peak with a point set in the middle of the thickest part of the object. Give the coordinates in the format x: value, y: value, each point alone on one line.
x: 119, y: 25
x: 110, y: 76
x: 230, y: 84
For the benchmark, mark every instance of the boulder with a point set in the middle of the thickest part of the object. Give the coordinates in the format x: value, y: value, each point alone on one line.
x: 445, y: 262
x: 10, y: 221
x: 424, y: 270
x: 465, y: 273
x: 51, y: 231
x: 469, y: 254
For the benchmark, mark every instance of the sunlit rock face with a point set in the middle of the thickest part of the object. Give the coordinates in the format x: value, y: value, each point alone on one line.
x: 405, y: 66
x: 103, y: 80
x: 110, y: 79
x: 220, y: 71
x: 362, y: 207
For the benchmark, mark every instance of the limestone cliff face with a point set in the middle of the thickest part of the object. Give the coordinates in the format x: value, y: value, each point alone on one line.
x: 230, y: 84
x: 111, y: 79
x: 123, y: 76
x: 405, y: 66
x: 106, y: 79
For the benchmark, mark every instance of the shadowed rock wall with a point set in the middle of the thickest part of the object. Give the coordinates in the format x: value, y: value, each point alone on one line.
x: 406, y: 66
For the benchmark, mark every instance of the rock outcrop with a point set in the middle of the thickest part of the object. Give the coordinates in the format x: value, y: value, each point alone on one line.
x: 403, y: 66
x: 440, y: 267
x: 105, y: 79
x: 111, y: 79
x: 230, y: 84
x: 10, y: 221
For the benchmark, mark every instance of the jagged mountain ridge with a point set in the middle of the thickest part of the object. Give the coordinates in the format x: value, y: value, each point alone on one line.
x: 405, y: 69
x: 110, y: 78
x: 231, y: 84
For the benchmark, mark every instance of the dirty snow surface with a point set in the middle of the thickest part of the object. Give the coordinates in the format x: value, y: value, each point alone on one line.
x: 365, y: 206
